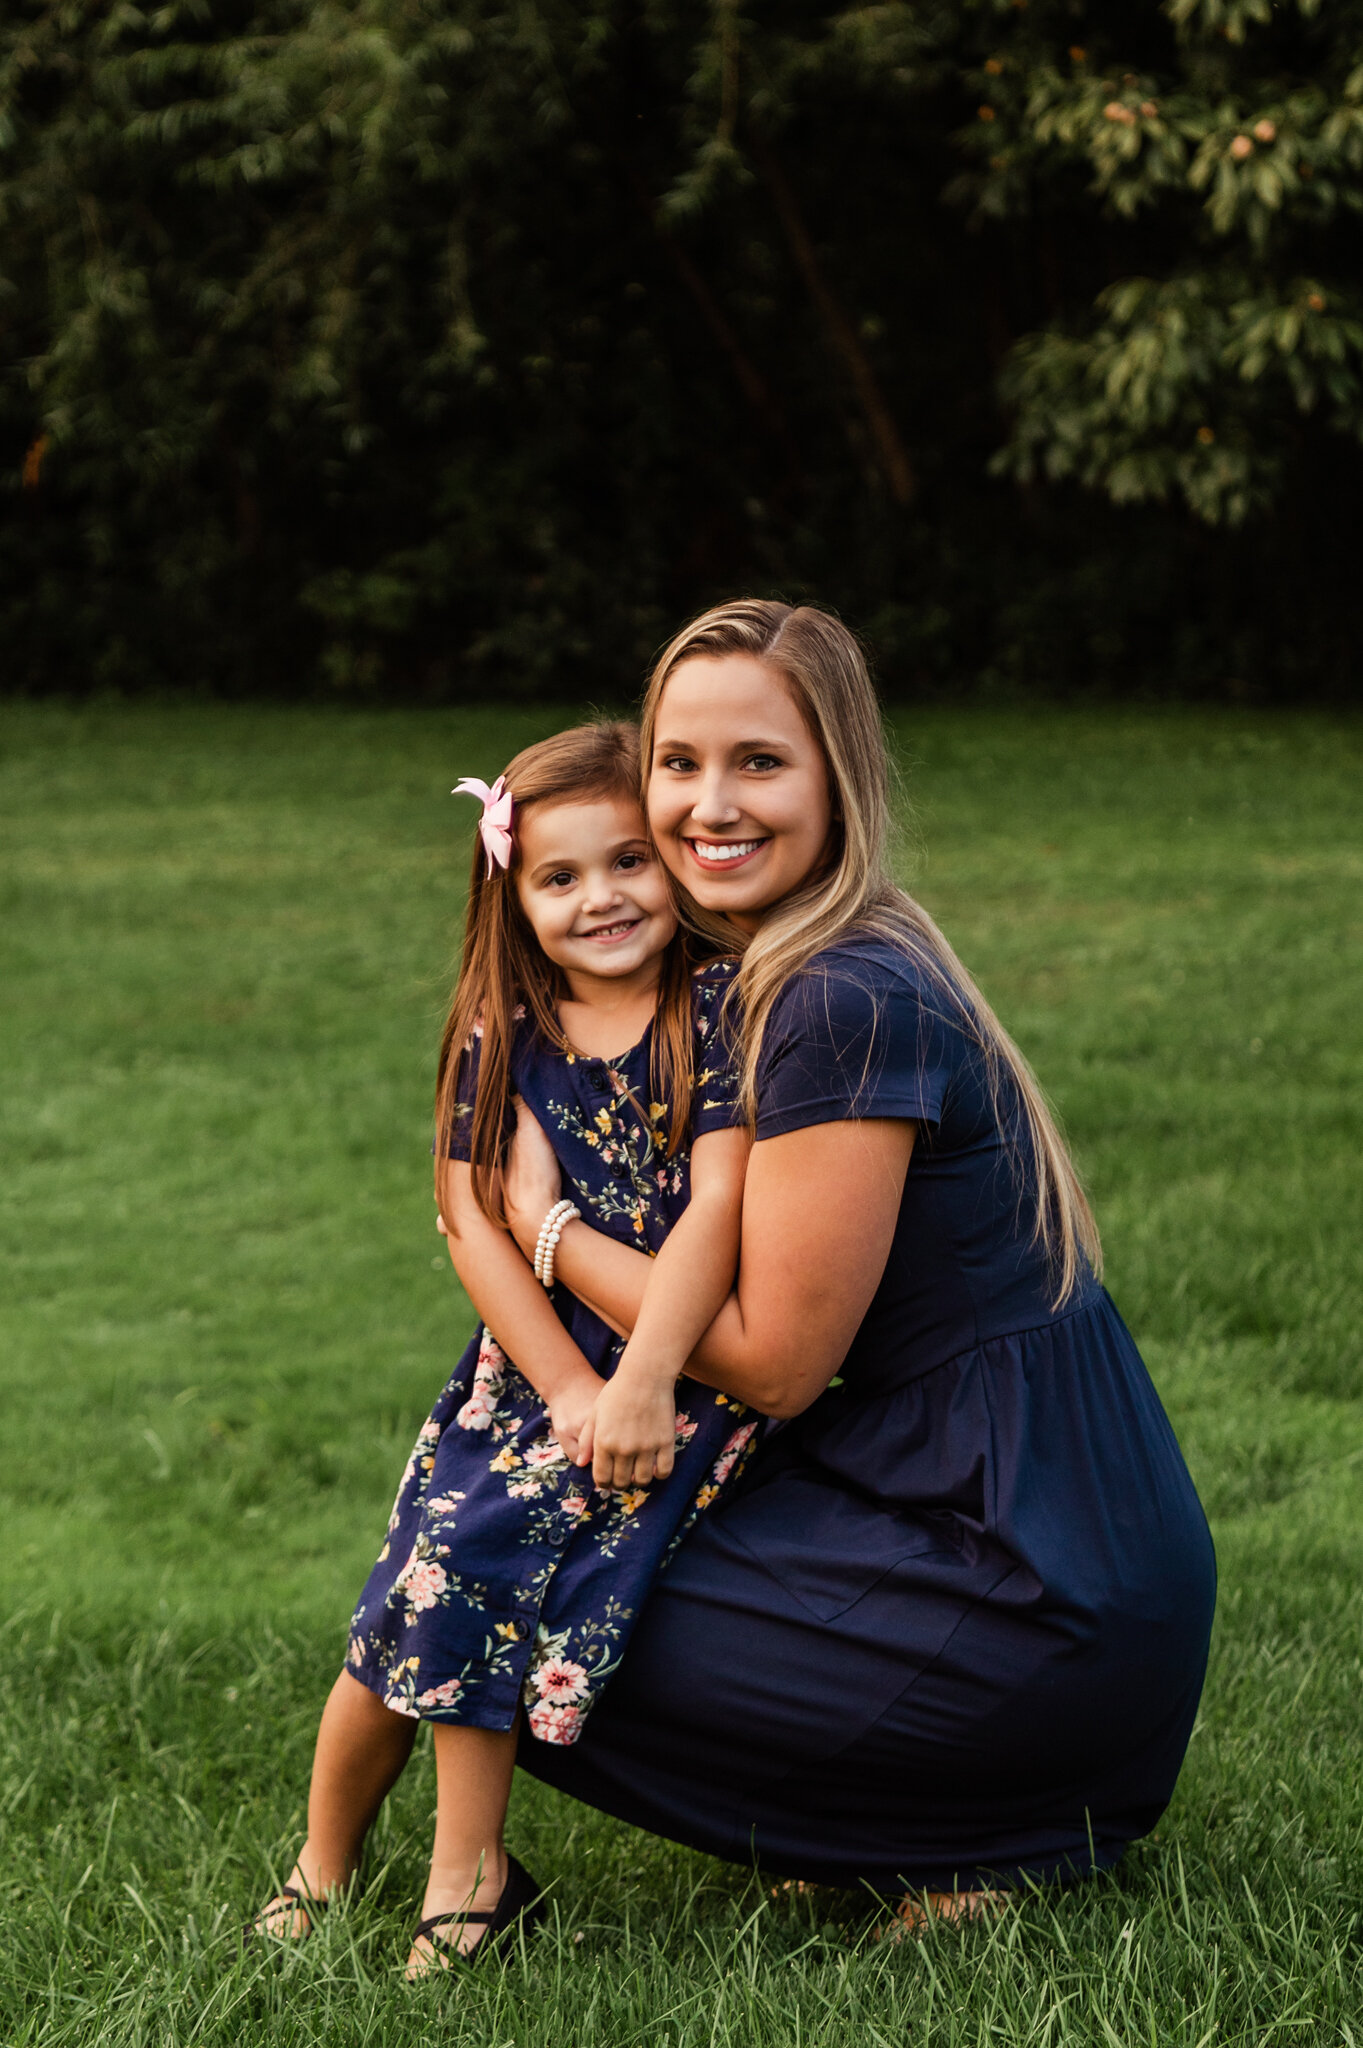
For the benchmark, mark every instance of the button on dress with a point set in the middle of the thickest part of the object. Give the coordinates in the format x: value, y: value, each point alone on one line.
x: 952, y: 1628
x: 506, y: 1576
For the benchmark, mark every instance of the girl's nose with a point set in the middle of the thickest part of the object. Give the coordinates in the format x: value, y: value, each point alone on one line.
x: 601, y: 895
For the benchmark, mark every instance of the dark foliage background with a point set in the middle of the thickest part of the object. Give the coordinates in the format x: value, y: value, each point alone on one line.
x: 440, y: 348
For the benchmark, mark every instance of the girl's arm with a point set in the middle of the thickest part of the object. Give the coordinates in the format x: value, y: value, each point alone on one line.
x: 517, y: 1310
x: 632, y: 1434
x: 819, y: 1213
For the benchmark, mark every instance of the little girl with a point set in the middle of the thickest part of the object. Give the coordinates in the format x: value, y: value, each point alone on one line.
x: 512, y: 1575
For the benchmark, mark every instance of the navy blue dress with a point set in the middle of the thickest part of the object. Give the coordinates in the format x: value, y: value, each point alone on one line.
x: 952, y: 1627
x: 506, y: 1577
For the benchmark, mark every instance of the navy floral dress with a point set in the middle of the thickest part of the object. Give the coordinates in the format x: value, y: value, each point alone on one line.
x: 506, y: 1576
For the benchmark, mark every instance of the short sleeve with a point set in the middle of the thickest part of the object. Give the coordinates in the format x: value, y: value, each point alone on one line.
x: 465, y: 1088
x: 856, y: 1036
x: 715, y: 1099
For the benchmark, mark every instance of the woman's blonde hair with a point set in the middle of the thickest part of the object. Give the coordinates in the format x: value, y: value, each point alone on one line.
x: 502, y: 971
x: 852, y: 892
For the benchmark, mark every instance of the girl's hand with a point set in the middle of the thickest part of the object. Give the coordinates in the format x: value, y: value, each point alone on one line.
x: 634, y: 1430
x: 532, y: 1180
x: 570, y: 1415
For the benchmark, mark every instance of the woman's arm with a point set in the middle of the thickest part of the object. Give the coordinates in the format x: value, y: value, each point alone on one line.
x: 819, y: 1212
x: 632, y: 1432
x: 517, y: 1310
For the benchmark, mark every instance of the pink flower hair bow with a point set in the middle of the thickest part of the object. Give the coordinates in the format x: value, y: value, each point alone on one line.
x: 495, y: 823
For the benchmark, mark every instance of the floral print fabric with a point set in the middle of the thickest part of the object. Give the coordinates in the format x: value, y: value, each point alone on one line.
x: 506, y: 1576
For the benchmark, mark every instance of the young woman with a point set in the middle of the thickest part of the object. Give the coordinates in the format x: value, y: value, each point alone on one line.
x: 951, y: 1631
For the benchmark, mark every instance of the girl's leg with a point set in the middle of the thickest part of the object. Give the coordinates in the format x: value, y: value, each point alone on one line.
x: 362, y: 1747
x: 473, y: 1769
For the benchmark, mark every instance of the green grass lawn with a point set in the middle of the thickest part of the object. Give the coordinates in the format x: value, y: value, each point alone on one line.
x: 225, y: 943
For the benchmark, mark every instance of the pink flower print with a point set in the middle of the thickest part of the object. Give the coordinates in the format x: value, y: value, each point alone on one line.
x: 444, y: 1504
x: 573, y: 1504
x: 662, y: 1180
x: 562, y: 1725
x: 518, y: 1014
x: 547, y: 1452
x: 429, y: 1433
x: 422, y: 1581
x: 355, y: 1653
x: 559, y: 1680
x: 488, y: 1380
x: 684, y: 1427
x: 440, y: 1695
x: 396, y: 1704
x: 728, y: 1457
x: 478, y: 1411
x: 524, y: 1489
x: 491, y: 1357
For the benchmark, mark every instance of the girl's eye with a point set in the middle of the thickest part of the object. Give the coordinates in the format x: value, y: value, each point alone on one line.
x: 562, y: 880
x: 630, y: 861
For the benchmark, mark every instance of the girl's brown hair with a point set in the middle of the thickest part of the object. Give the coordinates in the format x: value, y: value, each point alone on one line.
x: 853, y: 891
x: 502, y: 968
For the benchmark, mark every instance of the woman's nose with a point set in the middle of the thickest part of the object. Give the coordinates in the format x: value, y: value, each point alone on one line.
x: 715, y: 805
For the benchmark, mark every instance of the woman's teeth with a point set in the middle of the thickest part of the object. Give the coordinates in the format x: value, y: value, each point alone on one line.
x: 724, y: 850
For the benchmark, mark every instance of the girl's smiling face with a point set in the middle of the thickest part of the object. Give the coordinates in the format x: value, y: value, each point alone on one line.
x: 738, y: 792
x: 593, y: 890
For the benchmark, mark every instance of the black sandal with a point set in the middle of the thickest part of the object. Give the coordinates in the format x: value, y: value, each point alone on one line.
x: 520, y: 1905
x: 307, y: 1904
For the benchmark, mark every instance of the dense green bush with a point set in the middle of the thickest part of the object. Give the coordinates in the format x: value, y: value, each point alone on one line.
x: 433, y: 346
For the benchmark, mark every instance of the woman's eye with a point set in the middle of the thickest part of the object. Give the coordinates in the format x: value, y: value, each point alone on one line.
x: 762, y: 762
x: 680, y: 764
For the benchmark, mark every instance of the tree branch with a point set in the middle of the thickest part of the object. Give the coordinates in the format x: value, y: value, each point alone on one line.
x: 842, y: 337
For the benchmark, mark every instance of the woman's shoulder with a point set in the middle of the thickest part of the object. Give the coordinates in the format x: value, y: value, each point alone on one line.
x: 863, y: 979
x: 862, y: 1029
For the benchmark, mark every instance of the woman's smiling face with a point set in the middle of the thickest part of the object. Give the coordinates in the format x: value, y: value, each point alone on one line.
x: 738, y: 798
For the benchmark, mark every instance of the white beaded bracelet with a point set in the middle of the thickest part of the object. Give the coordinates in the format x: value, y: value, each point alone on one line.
x: 552, y: 1225
x: 566, y: 1215
x: 550, y: 1220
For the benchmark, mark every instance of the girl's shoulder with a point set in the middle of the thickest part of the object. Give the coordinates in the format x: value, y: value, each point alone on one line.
x: 523, y: 1040
x: 474, y: 1039
x: 714, y: 974
x: 710, y: 984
